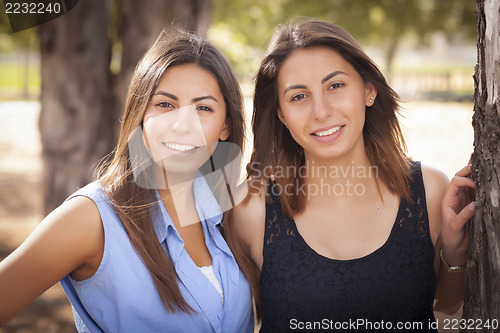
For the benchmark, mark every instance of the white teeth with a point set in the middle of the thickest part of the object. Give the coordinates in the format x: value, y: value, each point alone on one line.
x: 328, y: 132
x: 178, y: 147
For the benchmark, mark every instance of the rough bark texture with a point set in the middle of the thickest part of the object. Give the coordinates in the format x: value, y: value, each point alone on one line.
x: 483, y: 273
x: 81, y: 100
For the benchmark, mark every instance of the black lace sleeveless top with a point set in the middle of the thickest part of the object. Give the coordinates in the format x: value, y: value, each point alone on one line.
x: 387, y: 290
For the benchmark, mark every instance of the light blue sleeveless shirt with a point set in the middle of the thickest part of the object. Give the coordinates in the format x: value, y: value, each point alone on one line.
x: 121, y: 295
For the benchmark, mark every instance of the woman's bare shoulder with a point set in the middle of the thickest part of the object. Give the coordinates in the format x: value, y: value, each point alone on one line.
x: 77, y: 225
x: 435, y: 184
x: 251, y: 207
x: 248, y: 219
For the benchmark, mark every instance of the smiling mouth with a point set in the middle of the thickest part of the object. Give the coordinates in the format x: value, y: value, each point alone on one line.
x: 327, y: 132
x: 178, y: 147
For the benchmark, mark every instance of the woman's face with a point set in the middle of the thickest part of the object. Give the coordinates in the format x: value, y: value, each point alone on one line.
x: 185, y: 119
x: 322, y: 100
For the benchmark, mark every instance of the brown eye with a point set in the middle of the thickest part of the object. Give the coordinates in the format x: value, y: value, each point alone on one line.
x: 204, y: 108
x: 298, y: 97
x: 336, y: 86
x: 164, y: 105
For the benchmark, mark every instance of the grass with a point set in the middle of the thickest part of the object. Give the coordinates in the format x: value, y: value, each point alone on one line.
x: 12, y: 80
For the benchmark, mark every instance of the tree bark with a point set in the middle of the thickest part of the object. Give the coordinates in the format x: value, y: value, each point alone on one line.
x: 481, y: 302
x: 75, y: 55
x: 81, y: 100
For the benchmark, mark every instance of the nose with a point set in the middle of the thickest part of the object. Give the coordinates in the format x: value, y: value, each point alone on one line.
x: 322, y: 109
x: 185, y: 119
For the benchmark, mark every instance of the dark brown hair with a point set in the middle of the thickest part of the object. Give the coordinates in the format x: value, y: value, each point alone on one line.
x: 275, y: 148
x: 136, y: 204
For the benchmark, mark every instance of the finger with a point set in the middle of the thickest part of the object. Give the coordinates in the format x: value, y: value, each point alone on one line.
x: 465, y: 171
x: 457, y: 185
x: 459, y: 182
x: 463, y: 199
x: 464, y: 215
x: 462, y: 185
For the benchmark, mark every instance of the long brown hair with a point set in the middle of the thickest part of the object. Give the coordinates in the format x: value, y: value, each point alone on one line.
x: 136, y: 204
x: 383, y: 139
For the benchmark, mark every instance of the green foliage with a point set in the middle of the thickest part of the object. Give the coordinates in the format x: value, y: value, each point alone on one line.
x: 18, y: 81
x: 248, y: 25
x: 17, y: 73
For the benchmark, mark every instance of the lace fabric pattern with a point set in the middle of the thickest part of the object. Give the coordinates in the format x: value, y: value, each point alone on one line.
x: 395, y: 283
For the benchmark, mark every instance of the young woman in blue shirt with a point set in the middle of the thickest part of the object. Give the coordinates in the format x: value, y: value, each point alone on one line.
x: 141, y: 249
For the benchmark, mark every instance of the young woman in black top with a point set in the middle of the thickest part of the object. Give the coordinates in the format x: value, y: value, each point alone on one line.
x: 341, y: 226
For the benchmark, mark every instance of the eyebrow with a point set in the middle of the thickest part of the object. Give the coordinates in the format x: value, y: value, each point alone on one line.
x: 329, y: 76
x: 197, y: 99
x: 326, y: 78
x: 194, y: 100
x: 296, y: 86
x: 175, y: 98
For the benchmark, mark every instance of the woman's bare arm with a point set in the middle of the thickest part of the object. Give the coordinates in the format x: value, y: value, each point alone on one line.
x: 70, y: 239
x: 449, y: 234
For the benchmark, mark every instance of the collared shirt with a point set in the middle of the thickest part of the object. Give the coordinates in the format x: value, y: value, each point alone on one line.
x: 121, y: 295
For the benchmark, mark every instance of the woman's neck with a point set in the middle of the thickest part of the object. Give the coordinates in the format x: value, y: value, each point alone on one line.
x: 352, y: 176
x: 178, y: 199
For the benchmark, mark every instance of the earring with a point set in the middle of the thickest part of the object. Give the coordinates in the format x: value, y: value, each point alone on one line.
x: 371, y: 99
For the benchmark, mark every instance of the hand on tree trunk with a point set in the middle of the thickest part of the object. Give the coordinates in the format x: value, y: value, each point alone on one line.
x: 458, y: 209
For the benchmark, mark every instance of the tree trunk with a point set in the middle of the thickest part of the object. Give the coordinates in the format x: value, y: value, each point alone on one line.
x: 482, y: 303
x: 390, y: 54
x: 81, y: 100
x: 75, y: 55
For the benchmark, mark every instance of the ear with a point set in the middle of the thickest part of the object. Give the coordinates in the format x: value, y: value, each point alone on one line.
x: 226, y: 130
x: 370, y: 94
